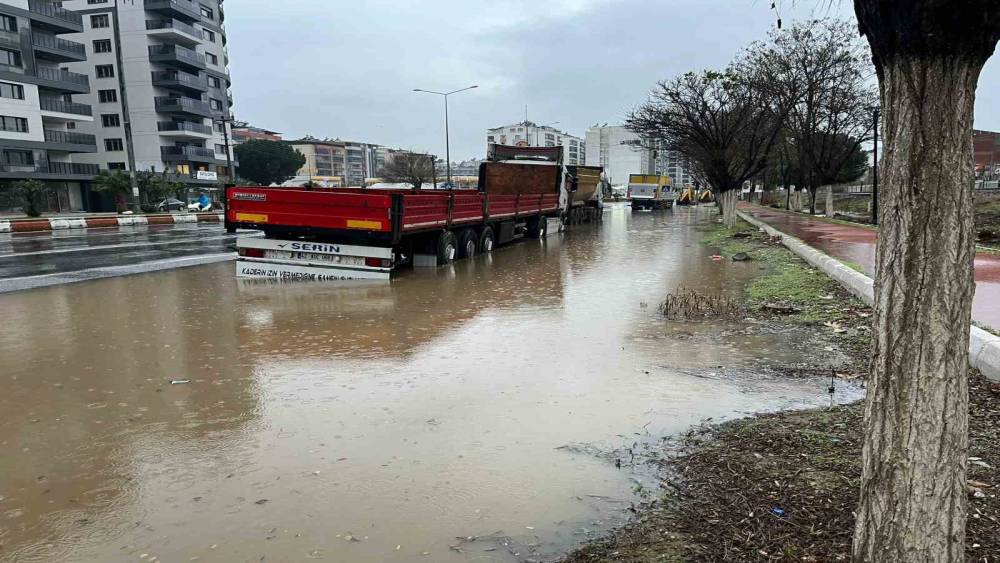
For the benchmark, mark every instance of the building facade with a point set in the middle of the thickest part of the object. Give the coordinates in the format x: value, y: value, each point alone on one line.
x: 38, y: 115
x: 243, y: 132
x: 529, y: 134
x: 986, y: 145
x: 159, y: 87
x: 620, y: 151
x: 673, y: 164
x: 325, y: 163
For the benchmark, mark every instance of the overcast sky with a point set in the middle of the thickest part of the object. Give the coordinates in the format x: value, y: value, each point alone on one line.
x: 332, y: 68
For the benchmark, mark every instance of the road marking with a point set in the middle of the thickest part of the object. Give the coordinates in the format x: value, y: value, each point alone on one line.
x: 116, y: 246
x: 46, y: 280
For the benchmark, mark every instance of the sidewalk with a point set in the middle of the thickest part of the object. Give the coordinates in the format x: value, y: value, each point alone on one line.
x: 855, y: 245
x: 103, y: 220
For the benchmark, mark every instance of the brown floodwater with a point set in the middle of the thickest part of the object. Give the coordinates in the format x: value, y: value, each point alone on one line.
x: 369, y: 423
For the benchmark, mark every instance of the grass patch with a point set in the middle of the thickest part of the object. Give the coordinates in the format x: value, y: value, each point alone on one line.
x: 854, y: 266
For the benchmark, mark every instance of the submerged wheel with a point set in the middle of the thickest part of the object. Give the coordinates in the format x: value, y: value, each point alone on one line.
x: 468, y: 243
x: 446, y: 248
x: 537, y: 227
x: 486, y: 241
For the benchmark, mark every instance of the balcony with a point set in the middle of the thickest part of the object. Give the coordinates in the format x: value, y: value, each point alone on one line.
x: 183, y: 9
x: 175, y: 30
x: 50, y: 171
x: 62, y: 80
x: 56, y: 105
x: 47, y: 15
x: 183, y: 105
x: 70, y: 141
x: 177, y: 56
x: 175, y: 80
x: 184, y: 129
x: 187, y: 154
x: 51, y: 48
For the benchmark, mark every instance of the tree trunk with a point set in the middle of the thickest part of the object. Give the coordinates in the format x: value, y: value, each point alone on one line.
x: 829, y: 201
x: 913, y: 496
x: 812, y: 199
x: 727, y: 203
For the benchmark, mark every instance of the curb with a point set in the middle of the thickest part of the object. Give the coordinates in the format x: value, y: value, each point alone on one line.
x: 984, y: 348
x: 63, y: 223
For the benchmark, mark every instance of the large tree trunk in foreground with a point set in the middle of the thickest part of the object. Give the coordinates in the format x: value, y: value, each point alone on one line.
x: 727, y: 204
x: 913, y: 496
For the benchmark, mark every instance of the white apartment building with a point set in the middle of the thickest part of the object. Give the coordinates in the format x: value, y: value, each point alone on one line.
x: 529, y: 134
x: 619, y: 151
x: 37, y: 114
x: 159, y: 86
x: 673, y: 164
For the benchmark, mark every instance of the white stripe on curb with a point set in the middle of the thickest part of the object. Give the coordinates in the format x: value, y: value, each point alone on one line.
x: 126, y: 220
x: 188, y: 218
x: 984, y: 348
x: 4, y: 226
x: 59, y: 223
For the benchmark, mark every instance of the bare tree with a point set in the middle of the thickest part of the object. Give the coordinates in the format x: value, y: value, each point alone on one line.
x: 928, y: 55
x: 725, y: 123
x: 408, y: 168
x: 823, y: 72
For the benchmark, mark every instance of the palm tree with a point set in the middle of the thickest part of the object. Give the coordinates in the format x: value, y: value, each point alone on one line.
x: 115, y: 182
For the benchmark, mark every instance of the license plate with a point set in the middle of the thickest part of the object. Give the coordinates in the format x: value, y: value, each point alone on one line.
x: 315, y: 257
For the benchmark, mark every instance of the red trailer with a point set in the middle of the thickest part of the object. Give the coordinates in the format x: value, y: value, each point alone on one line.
x: 356, y: 233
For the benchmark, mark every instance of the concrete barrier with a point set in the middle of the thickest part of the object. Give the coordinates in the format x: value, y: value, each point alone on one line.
x: 60, y: 223
x: 103, y: 221
x: 984, y: 348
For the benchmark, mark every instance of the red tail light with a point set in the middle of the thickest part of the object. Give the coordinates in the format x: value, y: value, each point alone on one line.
x: 378, y: 262
x: 252, y: 252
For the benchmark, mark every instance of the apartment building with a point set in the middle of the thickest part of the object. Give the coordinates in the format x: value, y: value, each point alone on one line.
x: 243, y: 132
x: 37, y: 113
x: 530, y: 134
x: 159, y: 86
x: 325, y: 163
x: 620, y: 151
x: 673, y: 164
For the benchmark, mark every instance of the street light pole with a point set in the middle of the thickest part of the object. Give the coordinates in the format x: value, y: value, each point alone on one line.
x: 447, y: 140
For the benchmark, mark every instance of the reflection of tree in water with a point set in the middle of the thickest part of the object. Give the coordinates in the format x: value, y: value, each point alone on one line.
x: 89, y: 406
x: 322, y: 319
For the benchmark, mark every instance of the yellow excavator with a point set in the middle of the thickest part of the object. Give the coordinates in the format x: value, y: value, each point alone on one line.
x: 690, y: 195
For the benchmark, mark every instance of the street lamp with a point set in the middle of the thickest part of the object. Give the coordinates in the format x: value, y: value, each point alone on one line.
x: 447, y: 145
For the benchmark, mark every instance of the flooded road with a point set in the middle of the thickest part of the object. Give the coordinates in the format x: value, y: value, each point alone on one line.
x: 370, y: 423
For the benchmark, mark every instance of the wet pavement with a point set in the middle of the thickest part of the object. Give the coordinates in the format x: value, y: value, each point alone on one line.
x: 47, y: 258
x: 185, y: 415
x: 856, y: 244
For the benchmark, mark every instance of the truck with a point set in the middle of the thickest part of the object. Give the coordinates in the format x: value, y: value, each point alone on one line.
x: 585, y: 185
x: 368, y: 234
x: 650, y: 191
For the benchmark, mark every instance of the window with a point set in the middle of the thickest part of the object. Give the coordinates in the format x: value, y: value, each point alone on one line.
x: 207, y: 12
x: 102, y: 45
x: 10, y: 57
x: 212, y: 58
x: 15, y: 124
x: 97, y: 1
x: 215, y: 104
x: 71, y: 125
x: 13, y: 91
x: 214, y: 82
x: 111, y: 120
x: 116, y: 166
x: 105, y: 71
x: 8, y: 23
x: 99, y: 21
x: 112, y: 145
x: 184, y: 169
x: 219, y: 127
x: 107, y: 96
x: 221, y: 149
x: 210, y: 35
x: 489, y: 139
x: 19, y: 158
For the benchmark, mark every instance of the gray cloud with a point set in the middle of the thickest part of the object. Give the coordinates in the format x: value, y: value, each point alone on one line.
x: 347, y: 69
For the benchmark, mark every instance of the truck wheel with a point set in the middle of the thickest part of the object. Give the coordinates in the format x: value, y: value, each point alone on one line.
x: 467, y: 244
x: 486, y: 241
x: 537, y: 227
x: 446, y: 248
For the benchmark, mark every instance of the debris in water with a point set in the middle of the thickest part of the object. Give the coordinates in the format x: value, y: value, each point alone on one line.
x: 261, y: 501
x: 741, y: 257
x: 686, y: 304
x: 179, y: 381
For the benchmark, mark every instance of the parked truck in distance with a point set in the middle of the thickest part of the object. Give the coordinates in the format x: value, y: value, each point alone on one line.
x: 357, y: 233
x: 650, y: 191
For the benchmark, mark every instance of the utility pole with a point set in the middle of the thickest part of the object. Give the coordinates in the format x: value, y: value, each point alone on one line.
x: 876, y: 115
x: 447, y: 142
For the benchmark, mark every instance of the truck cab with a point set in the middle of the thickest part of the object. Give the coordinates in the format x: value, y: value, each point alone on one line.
x: 650, y: 191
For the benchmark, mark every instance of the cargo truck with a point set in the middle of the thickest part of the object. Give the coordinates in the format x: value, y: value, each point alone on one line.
x: 357, y: 233
x: 650, y: 191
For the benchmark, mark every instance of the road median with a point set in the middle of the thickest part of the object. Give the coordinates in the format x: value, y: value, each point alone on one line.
x: 28, y: 225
